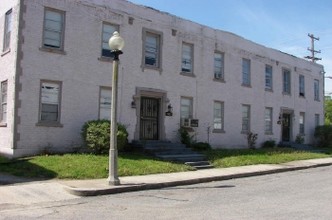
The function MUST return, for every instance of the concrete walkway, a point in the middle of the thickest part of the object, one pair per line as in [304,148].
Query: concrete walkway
[16,191]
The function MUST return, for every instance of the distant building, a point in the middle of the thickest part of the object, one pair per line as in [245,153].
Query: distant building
[56,74]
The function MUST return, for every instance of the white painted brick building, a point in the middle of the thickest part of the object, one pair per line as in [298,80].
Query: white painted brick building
[55,76]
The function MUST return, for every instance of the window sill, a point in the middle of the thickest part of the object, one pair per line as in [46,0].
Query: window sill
[246,85]
[286,93]
[151,68]
[268,90]
[269,133]
[219,80]
[317,100]
[3,124]
[53,50]
[105,59]
[218,131]
[302,96]
[49,124]
[188,74]
[5,52]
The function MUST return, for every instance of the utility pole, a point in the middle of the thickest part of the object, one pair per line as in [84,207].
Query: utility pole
[312,49]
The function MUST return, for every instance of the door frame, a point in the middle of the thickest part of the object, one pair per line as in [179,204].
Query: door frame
[151,93]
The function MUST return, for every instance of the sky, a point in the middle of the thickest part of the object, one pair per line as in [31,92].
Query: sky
[283,24]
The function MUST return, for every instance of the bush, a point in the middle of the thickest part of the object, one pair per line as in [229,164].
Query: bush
[324,135]
[251,139]
[299,139]
[269,144]
[96,135]
[201,146]
[185,137]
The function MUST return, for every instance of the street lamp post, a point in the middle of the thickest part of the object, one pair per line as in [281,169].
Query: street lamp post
[116,44]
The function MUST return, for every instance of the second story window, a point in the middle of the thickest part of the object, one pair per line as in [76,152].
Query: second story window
[286,81]
[187,58]
[268,77]
[152,49]
[7,31]
[108,30]
[301,86]
[54,21]
[316,90]
[245,72]
[219,66]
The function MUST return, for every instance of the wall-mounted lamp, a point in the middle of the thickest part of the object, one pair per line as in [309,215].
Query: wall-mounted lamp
[169,110]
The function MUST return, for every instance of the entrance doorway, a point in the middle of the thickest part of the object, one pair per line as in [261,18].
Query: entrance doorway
[149,118]
[286,127]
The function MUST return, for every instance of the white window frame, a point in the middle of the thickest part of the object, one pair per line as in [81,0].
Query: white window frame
[245,119]
[268,117]
[187,58]
[246,72]
[52,98]
[286,81]
[105,103]
[186,107]
[53,34]
[7,30]
[152,52]
[218,66]
[218,116]
[316,90]
[301,86]
[3,101]
[268,77]
[302,123]
[107,32]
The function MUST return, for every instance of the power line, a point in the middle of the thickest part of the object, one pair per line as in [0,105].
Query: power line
[312,49]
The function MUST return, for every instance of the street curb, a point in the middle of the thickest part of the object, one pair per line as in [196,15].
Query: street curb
[148,186]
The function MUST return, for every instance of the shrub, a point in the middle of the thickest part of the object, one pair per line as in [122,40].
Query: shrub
[201,146]
[185,137]
[324,135]
[269,144]
[299,139]
[96,135]
[251,138]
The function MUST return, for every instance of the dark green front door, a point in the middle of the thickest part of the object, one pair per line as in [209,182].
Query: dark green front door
[286,127]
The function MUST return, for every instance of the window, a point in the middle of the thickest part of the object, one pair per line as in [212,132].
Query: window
[268,120]
[245,72]
[152,49]
[50,102]
[187,58]
[301,122]
[3,101]
[268,77]
[219,66]
[105,103]
[317,120]
[186,107]
[316,89]
[218,116]
[245,118]
[108,30]
[301,86]
[286,81]
[7,31]
[53,29]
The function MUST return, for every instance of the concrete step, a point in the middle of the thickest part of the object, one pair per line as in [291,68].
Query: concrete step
[200,164]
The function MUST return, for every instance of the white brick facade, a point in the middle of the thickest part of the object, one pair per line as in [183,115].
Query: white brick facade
[81,73]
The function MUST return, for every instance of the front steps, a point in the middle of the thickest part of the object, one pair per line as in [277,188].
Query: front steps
[174,152]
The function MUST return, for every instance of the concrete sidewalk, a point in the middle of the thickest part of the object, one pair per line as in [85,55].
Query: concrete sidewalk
[135,183]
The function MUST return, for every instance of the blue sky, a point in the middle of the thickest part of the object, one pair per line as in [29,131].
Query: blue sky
[283,24]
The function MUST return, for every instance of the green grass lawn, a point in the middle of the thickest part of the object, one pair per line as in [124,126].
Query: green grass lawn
[88,166]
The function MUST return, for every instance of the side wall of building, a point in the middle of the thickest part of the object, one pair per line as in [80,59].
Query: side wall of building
[82,72]
[8,58]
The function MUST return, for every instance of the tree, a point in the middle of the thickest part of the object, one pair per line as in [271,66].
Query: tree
[328,110]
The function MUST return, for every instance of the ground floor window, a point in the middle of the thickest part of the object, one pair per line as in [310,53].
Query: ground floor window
[245,118]
[105,103]
[268,120]
[50,94]
[301,122]
[3,100]
[218,115]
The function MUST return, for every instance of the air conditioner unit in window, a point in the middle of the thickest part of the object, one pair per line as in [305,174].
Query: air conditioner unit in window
[185,122]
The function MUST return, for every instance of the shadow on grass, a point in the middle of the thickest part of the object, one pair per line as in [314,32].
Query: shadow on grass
[22,170]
